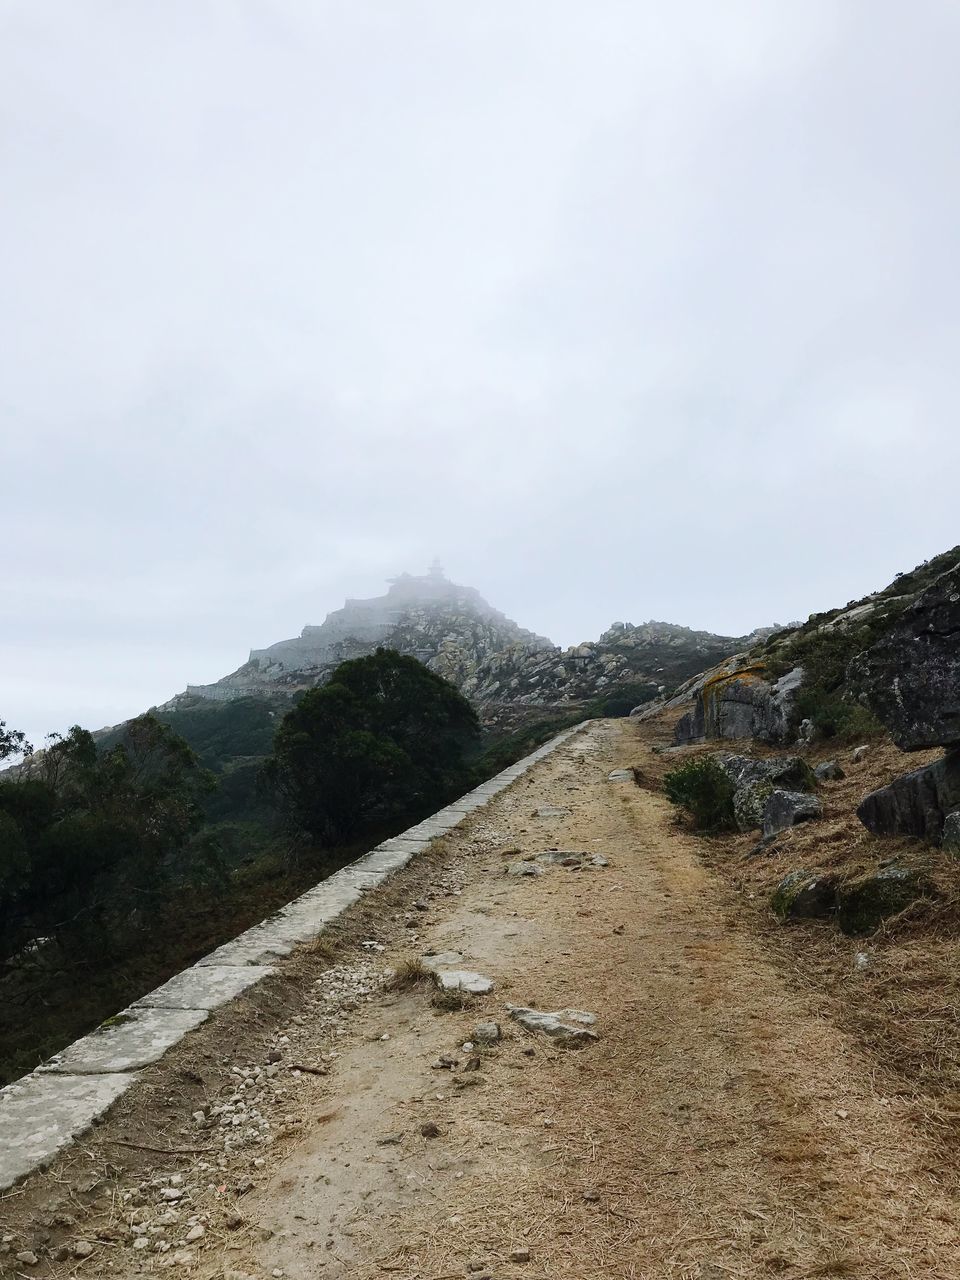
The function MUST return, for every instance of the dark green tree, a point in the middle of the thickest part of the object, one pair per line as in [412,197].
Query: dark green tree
[13,742]
[90,837]
[383,741]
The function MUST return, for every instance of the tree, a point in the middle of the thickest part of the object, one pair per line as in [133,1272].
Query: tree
[91,836]
[13,742]
[384,740]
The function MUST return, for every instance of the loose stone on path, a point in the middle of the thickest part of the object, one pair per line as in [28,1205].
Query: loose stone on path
[557,1025]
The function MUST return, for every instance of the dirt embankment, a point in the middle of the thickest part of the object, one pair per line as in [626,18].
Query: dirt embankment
[729,1121]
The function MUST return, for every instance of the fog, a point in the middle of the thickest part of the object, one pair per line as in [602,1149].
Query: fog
[623,310]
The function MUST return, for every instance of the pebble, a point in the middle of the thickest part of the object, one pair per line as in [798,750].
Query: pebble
[171,1193]
[195,1233]
[28,1258]
[429,1130]
[520,1255]
[141,1242]
[82,1249]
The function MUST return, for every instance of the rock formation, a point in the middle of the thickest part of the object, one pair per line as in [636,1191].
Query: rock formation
[911,679]
[740,703]
[499,665]
[916,804]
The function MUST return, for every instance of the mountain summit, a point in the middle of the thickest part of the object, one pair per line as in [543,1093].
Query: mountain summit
[448,627]
[490,658]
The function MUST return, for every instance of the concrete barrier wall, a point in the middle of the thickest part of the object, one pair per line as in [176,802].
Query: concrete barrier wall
[45,1111]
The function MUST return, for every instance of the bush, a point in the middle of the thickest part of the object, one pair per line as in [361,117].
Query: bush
[835,716]
[703,789]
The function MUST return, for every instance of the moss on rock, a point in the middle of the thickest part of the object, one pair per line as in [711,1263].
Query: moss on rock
[805,895]
[864,903]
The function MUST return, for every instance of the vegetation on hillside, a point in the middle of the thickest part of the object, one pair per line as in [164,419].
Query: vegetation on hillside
[826,644]
[90,840]
[125,858]
[705,791]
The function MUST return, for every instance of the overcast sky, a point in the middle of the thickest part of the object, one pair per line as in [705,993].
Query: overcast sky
[623,310]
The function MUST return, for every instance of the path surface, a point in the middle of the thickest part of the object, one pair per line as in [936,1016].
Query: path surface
[721,1126]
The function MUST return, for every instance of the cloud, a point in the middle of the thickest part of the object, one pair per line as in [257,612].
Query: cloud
[622,310]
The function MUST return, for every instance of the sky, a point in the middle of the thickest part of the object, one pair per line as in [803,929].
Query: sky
[623,310]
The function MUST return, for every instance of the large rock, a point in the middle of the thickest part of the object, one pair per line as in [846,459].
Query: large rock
[755,780]
[916,804]
[864,903]
[951,833]
[742,704]
[805,895]
[788,808]
[911,678]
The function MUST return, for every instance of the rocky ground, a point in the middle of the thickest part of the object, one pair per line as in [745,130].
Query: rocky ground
[720,1116]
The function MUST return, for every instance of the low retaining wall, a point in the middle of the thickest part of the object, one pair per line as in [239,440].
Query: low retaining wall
[45,1111]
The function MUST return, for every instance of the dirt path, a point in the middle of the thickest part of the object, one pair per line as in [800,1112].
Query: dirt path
[721,1126]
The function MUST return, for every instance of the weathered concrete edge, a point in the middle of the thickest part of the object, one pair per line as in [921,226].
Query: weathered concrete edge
[42,1113]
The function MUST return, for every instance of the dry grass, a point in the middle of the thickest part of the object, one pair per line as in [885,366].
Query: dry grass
[452,1001]
[902,1007]
[409,972]
[327,945]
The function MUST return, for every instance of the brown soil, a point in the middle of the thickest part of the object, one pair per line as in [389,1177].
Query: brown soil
[732,1120]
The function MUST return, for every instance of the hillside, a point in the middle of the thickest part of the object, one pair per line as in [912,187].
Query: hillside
[492,660]
[832,676]
[523,686]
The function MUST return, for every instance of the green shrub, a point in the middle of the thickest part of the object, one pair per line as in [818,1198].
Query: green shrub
[704,790]
[835,716]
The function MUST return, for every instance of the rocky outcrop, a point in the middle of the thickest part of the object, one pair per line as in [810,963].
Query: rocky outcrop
[786,809]
[864,903]
[916,804]
[738,702]
[755,781]
[494,662]
[450,628]
[911,677]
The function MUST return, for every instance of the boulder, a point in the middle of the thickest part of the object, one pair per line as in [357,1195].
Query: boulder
[951,833]
[749,803]
[829,771]
[864,903]
[755,780]
[742,704]
[805,895]
[786,808]
[911,678]
[916,804]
